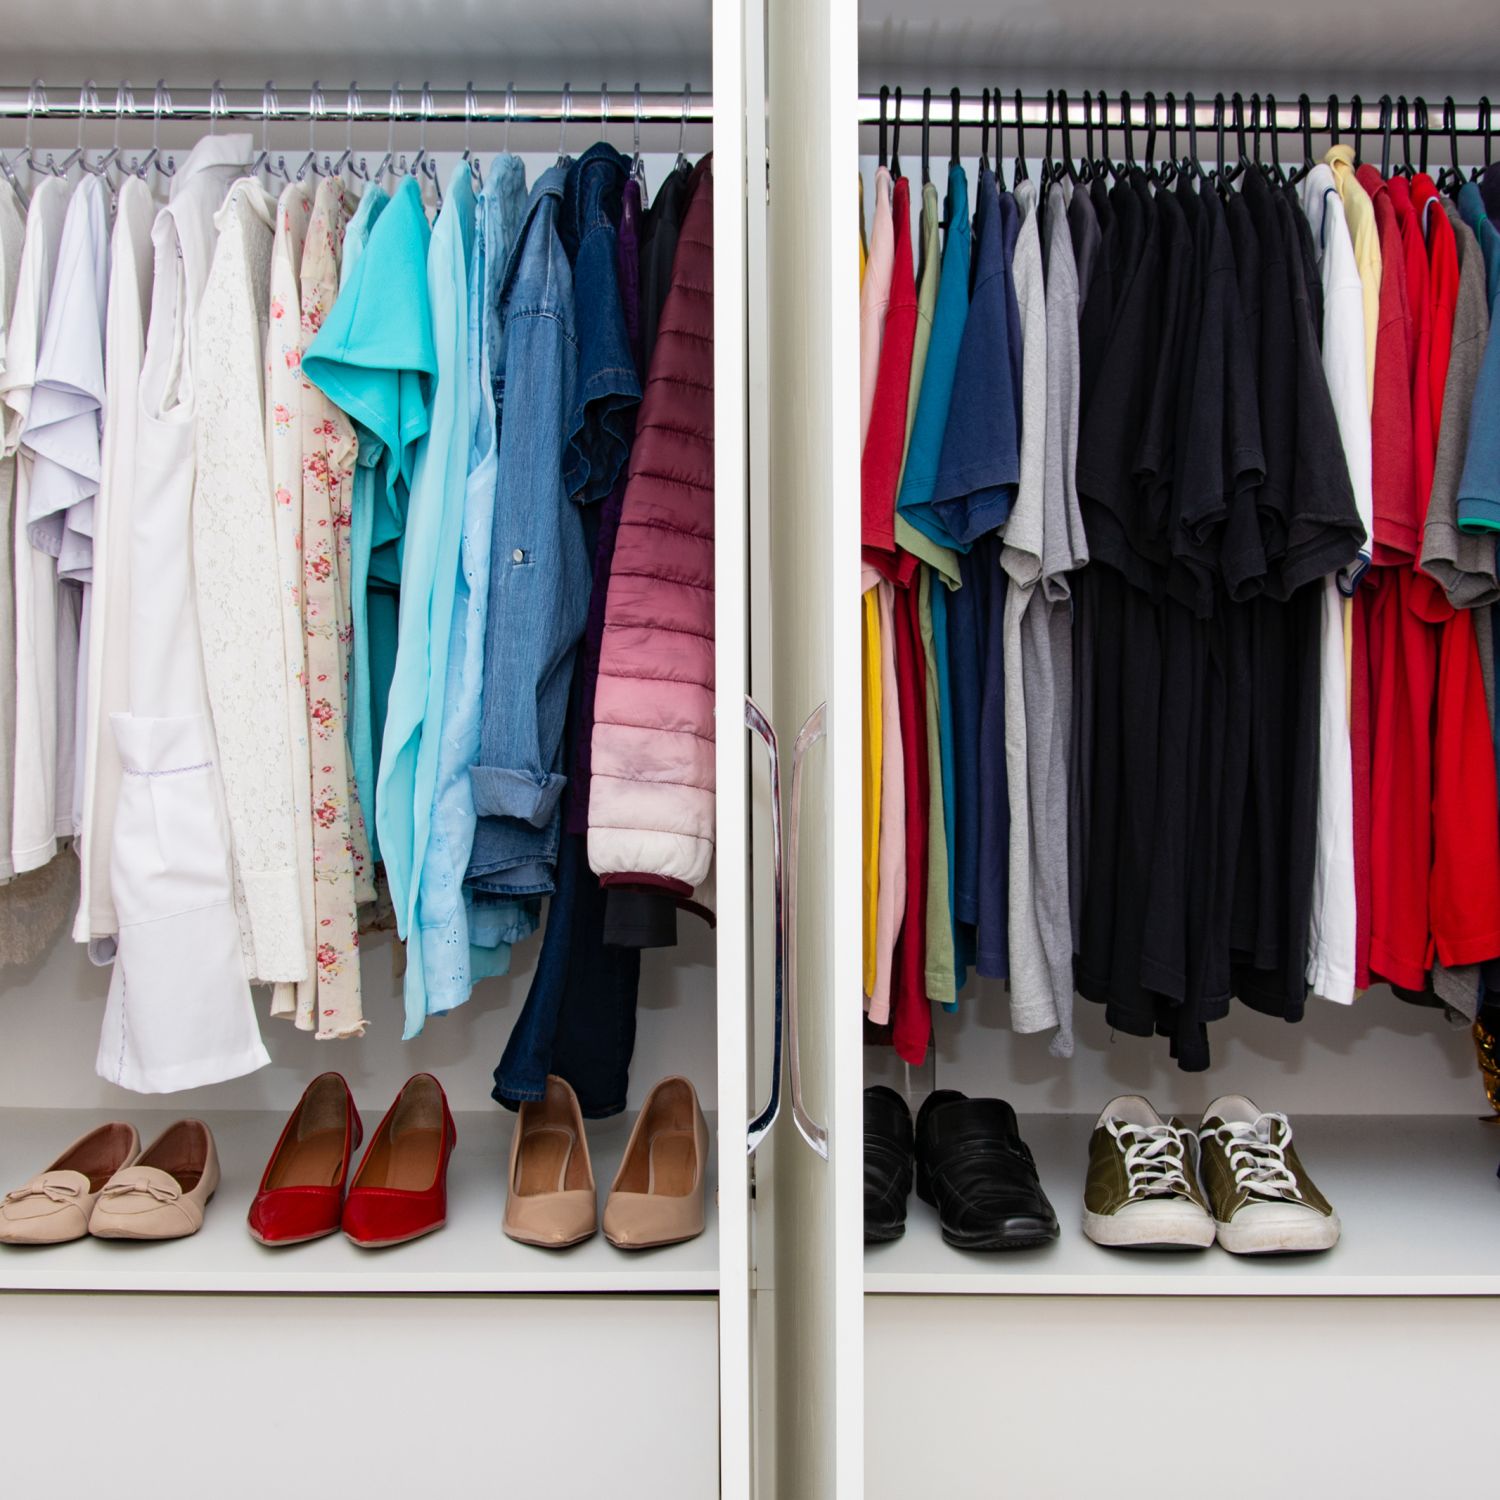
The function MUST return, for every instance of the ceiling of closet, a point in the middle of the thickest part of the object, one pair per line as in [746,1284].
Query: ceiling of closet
[1184,43]
[661,43]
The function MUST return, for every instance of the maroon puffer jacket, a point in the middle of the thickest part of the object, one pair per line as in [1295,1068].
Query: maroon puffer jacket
[651,802]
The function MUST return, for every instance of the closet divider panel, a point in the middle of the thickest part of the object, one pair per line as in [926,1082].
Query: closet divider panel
[815,1307]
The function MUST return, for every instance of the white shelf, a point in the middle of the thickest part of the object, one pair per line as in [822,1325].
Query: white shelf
[1417,1195]
[470,1254]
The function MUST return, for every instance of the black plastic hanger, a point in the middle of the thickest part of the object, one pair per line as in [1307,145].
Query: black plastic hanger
[1172,130]
[1333,119]
[896,137]
[1150,106]
[1086,171]
[1128,127]
[1106,163]
[1403,121]
[1278,172]
[1023,172]
[1243,164]
[1304,124]
[999,144]
[1450,179]
[1066,165]
[885,95]
[1193,163]
[1424,131]
[926,136]
[1050,171]
[1218,172]
[1357,124]
[1387,119]
[984,131]
[1484,127]
[954,99]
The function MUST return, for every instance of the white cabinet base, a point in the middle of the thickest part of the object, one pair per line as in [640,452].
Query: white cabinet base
[179,1397]
[1168,1398]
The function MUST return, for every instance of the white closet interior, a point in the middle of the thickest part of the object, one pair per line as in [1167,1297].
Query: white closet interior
[1030,1373]
[595,1371]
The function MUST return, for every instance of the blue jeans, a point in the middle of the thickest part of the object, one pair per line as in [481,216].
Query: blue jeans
[579,1017]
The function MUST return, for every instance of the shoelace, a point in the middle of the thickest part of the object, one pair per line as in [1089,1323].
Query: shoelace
[58,1192]
[1155,1158]
[1256,1156]
[157,1191]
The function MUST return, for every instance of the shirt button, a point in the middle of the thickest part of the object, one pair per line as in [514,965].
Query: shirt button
[518,556]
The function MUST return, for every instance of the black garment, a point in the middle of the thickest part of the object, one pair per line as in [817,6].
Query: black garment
[661,224]
[889,1163]
[977,1172]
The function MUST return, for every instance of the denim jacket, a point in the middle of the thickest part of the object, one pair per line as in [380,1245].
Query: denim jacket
[539,565]
[609,387]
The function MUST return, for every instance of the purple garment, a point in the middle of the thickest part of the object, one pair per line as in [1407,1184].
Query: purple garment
[576,796]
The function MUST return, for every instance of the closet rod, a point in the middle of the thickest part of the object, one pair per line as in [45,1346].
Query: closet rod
[1206,113]
[340,102]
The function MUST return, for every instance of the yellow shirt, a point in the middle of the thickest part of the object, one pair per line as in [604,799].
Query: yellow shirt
[1359,214]
[870,779]
[861,231]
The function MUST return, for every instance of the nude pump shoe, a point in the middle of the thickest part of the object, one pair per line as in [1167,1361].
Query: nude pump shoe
[552,1201]
[657,1196]
[55,1205]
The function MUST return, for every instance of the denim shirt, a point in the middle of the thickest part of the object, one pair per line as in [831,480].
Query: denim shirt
[608,388]
[539,565]
[465,939]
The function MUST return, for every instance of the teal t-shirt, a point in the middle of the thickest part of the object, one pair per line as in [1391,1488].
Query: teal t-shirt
[374,359]
[429,574]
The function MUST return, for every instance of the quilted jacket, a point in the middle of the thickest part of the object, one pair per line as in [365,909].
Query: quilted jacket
[651,804]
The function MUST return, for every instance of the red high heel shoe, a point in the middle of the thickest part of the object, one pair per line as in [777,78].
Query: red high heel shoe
[301,1196]
[401,1188]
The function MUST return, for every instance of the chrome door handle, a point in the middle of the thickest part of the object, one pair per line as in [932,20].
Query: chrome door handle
[761,1125]
[811,732]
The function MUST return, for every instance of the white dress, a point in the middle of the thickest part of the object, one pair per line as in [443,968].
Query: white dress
[33,835]
[179,1013]
[235,561]
[12,238]
[62,435]
[109,615]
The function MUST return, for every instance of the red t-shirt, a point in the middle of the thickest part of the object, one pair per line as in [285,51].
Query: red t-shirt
[880,466]
[911,1015]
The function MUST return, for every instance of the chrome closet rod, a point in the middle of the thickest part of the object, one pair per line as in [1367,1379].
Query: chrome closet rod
[1469,119]
[374,104]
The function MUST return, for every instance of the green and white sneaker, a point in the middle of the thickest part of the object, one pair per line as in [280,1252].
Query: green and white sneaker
[1142,1190]
[1264,1203]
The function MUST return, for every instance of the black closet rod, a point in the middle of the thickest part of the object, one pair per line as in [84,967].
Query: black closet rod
[1206,112]
[42,101]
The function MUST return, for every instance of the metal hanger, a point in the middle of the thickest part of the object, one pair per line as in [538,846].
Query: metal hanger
[353,109]
[687,109]
[566,112]
[270,107]
[637,166]
[315,108]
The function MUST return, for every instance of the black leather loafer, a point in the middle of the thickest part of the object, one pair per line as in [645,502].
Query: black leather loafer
[974,1168]
[888,1164]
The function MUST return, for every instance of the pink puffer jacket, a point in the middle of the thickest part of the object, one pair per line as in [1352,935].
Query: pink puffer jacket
[651,803]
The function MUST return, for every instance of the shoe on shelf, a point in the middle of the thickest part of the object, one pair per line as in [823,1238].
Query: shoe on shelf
[161,1195]
[974,1168]
[1142,1188]
[1263,1202]
[551,1200]
[301,1195]
[55,1205]
[890,1146]
[657,1195]
[400,1191]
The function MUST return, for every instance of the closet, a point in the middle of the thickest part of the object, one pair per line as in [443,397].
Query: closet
[1070,1369]
[464,1362]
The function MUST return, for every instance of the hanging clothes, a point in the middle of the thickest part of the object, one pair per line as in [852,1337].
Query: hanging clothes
[12,241]
[179,1013]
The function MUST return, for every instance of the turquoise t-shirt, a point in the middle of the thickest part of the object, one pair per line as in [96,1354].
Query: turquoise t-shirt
[924,452]
[429,572]
[1479,488]
[374,359]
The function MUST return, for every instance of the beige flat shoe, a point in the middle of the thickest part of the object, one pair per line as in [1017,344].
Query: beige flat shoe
[163,1194]
[55,1205]
[552,1200]
[657,1195]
